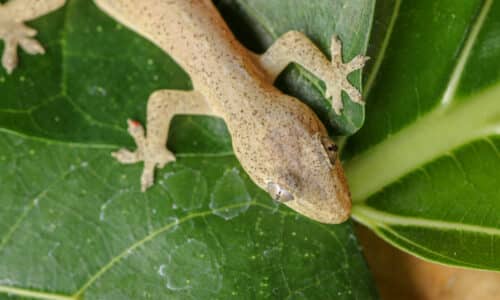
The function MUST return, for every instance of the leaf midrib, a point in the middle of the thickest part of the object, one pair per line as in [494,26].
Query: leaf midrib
[366,214]
[381,55]
[33,293]
[448,126]
[461,263]
[110,147]
[381,221]
[457,73]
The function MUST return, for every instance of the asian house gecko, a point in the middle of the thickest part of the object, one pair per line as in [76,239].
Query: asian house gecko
[278,140]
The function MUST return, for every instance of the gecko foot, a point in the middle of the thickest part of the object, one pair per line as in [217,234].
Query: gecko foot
[17,34]
[335,86]
[153,156]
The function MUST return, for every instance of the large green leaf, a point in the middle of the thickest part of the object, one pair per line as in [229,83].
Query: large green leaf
[73,221]
[424,171]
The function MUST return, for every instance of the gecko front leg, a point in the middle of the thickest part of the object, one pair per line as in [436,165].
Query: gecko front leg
[163,105]
[14,33]
[295,47]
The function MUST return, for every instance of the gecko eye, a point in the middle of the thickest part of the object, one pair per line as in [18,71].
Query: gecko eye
[330,148]
[278,193]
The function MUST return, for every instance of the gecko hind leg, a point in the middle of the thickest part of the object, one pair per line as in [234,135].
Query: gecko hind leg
[163,105]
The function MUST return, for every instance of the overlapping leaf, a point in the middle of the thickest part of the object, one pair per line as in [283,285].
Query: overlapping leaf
[424,171]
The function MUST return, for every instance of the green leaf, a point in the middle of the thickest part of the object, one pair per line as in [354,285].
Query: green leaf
[74,222]
[424,169]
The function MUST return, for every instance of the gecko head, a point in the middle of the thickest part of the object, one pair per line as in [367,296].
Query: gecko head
[313,184]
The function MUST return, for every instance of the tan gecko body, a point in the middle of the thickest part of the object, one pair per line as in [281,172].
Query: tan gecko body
[278,140]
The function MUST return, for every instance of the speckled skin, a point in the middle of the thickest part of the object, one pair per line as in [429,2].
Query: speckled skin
[278,140]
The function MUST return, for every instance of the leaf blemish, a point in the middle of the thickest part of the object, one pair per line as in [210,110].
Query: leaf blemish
[201,270]
[230,197]
[161,270]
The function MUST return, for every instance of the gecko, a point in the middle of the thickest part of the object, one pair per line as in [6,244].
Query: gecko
[278,140]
